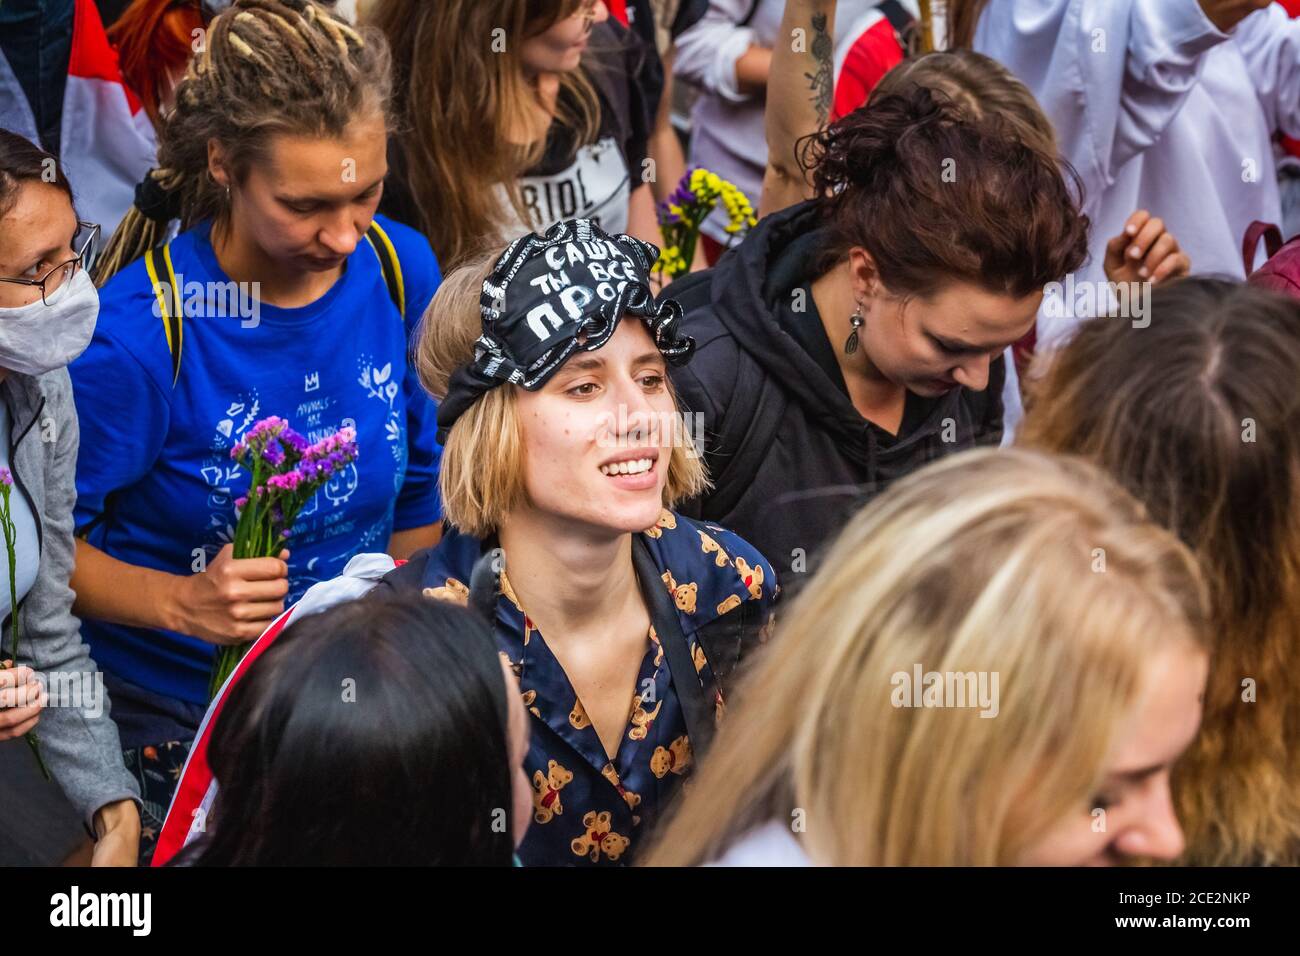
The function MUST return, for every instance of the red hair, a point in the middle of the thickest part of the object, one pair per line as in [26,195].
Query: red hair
[154,39]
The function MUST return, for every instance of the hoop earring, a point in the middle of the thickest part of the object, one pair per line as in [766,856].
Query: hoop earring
[856,320]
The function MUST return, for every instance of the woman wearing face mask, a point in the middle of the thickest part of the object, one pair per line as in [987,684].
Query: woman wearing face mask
[622,619]
[48,308]
[291,299]
[564,136]
[852,338]
[1004,697]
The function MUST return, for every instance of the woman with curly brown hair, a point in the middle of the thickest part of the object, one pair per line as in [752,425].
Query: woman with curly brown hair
[1197,415]
[853,337]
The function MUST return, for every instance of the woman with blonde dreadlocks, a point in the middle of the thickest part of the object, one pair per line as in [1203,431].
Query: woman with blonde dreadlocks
[283,295]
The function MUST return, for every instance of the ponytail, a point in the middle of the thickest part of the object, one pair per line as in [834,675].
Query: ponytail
[157,203]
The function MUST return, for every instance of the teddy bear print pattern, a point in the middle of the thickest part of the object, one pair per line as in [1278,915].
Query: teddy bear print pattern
[590,807]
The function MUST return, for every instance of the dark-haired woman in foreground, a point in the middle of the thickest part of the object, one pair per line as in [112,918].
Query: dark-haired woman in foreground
[852,338]
[382,731]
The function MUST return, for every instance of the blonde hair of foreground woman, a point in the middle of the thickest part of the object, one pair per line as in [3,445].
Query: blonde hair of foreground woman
[1039,569]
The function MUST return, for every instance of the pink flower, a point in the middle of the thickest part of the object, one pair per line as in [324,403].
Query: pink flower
[287,482]
[6,478]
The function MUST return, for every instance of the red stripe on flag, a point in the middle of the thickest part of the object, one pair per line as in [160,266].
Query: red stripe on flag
[197,776]
[93,57]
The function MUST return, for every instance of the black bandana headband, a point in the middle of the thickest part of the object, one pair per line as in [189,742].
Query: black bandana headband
[555,294]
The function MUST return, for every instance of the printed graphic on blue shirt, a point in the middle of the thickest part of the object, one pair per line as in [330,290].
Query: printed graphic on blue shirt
[155,467]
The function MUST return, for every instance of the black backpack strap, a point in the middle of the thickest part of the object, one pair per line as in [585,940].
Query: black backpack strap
[753,9]
[389,264]
[696,709]
[158,263]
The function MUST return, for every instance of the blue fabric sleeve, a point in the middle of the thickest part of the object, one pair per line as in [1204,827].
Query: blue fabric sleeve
[123,400]
[418,503]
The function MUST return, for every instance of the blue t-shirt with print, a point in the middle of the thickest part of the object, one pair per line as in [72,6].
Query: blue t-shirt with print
[154,474]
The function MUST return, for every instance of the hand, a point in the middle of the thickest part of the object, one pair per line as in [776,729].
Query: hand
[234,600]
[117,835]
[1226,14]
[22,697]
[1145,252]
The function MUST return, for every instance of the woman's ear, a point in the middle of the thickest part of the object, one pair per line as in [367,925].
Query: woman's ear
[862,271]
[217,167]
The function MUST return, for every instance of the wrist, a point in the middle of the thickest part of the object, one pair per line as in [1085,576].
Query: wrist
[121,816]
[173,604]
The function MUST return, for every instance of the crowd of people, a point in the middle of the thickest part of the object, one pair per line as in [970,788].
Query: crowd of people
[948,514]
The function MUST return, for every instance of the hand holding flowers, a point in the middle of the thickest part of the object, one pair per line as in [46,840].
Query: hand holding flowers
[286,472]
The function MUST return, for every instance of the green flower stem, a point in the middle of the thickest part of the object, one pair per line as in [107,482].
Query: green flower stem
[11,545]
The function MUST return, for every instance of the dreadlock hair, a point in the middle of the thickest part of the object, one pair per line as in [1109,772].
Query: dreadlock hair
[267,67]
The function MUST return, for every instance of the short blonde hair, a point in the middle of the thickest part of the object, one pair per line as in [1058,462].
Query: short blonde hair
[984,562]
[482,474]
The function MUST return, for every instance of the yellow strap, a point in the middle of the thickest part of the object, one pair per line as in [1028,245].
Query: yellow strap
[161,293]
[180,310]
[392,257]
[161,290]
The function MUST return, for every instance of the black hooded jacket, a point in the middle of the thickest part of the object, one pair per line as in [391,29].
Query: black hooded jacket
[790,456]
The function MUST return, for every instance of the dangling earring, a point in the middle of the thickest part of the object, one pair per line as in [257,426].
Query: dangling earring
[856,320]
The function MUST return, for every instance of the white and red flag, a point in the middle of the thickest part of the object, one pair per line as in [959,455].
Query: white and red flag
[107,143]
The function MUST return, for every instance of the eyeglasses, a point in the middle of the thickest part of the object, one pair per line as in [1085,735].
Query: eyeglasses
[52,284]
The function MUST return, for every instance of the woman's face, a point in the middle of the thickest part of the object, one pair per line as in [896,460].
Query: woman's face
[559,48]
[313,198]
[35,236]
[933,344]
[1131,816]
[521,792]
[598,436]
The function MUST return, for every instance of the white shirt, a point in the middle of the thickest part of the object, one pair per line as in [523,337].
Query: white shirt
[772,844]
[1158,110]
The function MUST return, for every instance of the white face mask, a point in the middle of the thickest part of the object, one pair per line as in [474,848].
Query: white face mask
[38,338]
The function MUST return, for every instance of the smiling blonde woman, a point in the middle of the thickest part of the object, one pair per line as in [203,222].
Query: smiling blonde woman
[1038,571]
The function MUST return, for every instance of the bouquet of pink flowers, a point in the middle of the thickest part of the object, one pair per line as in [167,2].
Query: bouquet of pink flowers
[11,545]
[286,472]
